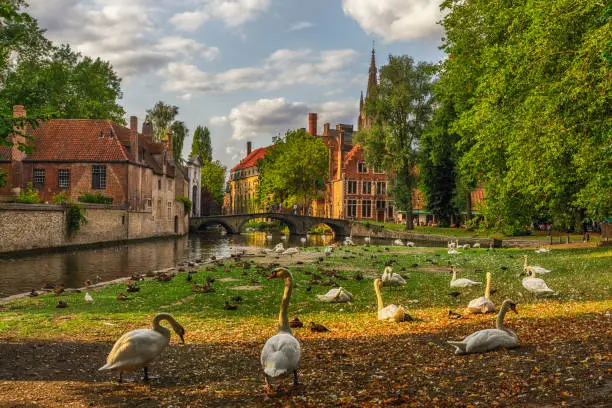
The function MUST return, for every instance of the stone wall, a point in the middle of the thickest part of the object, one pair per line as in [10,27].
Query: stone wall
[35,226]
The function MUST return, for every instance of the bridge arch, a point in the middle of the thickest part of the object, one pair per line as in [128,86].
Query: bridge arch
[228,227]
[293,228]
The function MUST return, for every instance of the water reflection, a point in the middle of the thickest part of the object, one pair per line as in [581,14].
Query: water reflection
[22,274]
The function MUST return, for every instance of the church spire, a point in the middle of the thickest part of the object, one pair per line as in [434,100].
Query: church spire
[361,102]
[372,77]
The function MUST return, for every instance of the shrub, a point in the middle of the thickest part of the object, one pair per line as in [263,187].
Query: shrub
[28,195]
[75,217]
[95,198]
[60,198]
[186,203]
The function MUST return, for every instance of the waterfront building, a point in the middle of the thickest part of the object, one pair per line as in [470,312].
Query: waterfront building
[194,177]
[243,182]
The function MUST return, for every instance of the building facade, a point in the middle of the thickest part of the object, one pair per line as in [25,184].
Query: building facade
[243,182]
[194,177]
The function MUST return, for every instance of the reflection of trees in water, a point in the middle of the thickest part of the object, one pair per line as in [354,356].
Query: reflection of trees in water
[71,276]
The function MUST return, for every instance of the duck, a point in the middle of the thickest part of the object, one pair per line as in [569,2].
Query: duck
[291,251]
[236,299]
[454,315]
[462,282]
[281,353]
[483,304]
[390,313]
[122,296]
[398,242]
[536,285]
[390,278]
[316,327]
[138,348]
[33,293]
[489,339]
[229,306]
[88,298]
[58,290]
[61,305]
[296,323]
[336,295]
[133,287]
[534,268]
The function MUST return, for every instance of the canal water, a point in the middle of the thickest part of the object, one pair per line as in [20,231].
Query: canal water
[21,274]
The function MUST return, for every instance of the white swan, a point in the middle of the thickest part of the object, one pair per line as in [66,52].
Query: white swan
[534,268]
[410,244]
[398,242]
[279,249]
[367,240]
[476,245]
[269,237]
[348,241]
[535,285]
[329,250]
[462,282]
[88,298]
[283,237]
[489,339]
[453,251]
[267,251]
[390,278]
[336,295]
[281,354]
[303,240]
[483,304]
[291,251]
[391,313]
[451,244]
[137,348]
[542,250]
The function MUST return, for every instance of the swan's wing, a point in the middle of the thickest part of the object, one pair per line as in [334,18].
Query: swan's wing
[539,269]
[280,355]
[489,339]
[136,349]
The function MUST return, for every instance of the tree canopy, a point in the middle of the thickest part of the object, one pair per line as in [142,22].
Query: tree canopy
[294,170]
[201,145]
[213,179]
[161,117]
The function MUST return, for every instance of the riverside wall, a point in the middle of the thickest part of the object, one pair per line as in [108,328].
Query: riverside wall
[25,227]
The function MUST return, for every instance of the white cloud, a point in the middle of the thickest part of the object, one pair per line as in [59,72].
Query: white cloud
[281,69]
[396,20]
[300,25]
[269,117]
[186,47]
[232,12]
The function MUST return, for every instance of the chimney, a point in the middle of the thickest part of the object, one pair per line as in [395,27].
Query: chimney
[340,161]
[312,123]
[249,147]
[134,137]
[18,112]
[147,131]
[326,129]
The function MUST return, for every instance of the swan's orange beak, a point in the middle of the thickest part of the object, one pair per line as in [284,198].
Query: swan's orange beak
[513,308]
[273,275]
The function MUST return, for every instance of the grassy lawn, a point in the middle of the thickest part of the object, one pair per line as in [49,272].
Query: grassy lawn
[357,354]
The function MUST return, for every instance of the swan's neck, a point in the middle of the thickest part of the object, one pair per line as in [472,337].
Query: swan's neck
[378,296]
[454,278]
[525,264]
[283,317]
[488,287]
[161,329]
[499,324]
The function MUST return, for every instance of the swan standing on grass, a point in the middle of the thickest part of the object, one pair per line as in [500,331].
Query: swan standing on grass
[336,295]
[410,244]
[536,285]
[291,251]
[367,240]
[476,245]
[329,250]
[398,242]
[453,251]
[281,354]
[138,348]
[489,339]
[391,313]
[303,241]
[462,282]
[483,304]
[534,268]
[542,250]
[88,298]
[390,278]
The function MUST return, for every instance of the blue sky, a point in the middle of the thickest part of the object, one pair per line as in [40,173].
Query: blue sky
[247,69]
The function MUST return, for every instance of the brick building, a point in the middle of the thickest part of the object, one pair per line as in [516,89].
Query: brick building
[76,156]
[242,184]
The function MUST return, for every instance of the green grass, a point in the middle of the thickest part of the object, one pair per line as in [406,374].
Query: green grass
[578,275]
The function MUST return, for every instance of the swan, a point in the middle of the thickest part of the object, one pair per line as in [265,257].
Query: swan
[462,282]
[281,353]
[392,279]
[390,313]
[137,348]
[535,285]
[476,245]
[303,240]
[329,250]
[88,298]
[483,304]
[283,237]
[367,240]
[398,242]
[267,251]
[542,250]
[489,339]
[453,251]
[269,237]
[451,244]
[410,244]
[336,295]
[279,249]
[534,268]
[291,251]
[348,241]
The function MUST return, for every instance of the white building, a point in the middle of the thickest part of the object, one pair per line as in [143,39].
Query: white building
[194,174]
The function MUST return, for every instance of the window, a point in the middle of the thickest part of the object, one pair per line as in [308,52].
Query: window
[366,209]
[148,203]
[367,187]
[39,178]
[351,208]
[169,209]
[158,210]
[381,187]
[352,187]
[380,205]
[159,183]
[390,209]
[63,178]
[98,177]
[361,167]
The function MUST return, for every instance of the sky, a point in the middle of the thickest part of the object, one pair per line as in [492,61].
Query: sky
[247,69]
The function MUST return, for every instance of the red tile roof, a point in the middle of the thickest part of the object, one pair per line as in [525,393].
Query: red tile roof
[355,153]
[252,159]
[78,140]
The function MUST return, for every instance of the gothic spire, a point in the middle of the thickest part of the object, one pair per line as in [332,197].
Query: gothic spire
[372,77]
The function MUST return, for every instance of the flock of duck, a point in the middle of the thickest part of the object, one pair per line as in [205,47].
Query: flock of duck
[281,353]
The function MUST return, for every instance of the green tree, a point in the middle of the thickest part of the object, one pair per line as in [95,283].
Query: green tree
[161,117]
[402,108]
[201,145]
[213,179]
[294,170]
[179,133]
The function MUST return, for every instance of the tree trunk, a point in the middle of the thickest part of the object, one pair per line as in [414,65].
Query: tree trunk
[409,223]
[468,207]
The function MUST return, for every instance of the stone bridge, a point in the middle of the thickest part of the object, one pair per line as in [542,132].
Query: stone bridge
[298,224]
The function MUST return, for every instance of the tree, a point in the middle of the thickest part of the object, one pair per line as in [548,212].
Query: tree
[161,118]
[402,108]
[213,180]
[201,145]
[179,133]
[294,170]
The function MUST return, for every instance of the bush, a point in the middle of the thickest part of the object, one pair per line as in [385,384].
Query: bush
[28,195]
[186,204]
[60,198]
[75,217]
[95,198]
